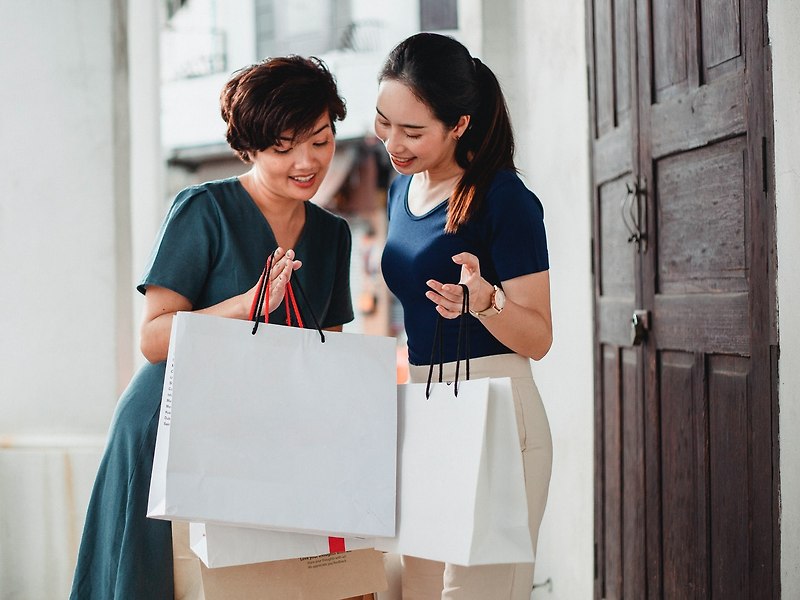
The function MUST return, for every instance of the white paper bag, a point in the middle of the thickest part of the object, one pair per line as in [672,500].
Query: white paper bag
[277,430]
[226,546]
[461,489]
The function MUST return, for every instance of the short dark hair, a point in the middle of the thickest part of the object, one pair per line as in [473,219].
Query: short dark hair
[290,93]
[442,73]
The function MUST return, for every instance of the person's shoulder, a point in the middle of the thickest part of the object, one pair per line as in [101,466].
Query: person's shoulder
[203,195]
[506,180]
[509,191]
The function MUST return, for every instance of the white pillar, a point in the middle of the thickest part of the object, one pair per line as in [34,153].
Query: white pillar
[65,264]
[148,199]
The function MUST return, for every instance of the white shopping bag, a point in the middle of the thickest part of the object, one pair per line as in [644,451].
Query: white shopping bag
[461,489]
[277,430]
[226,546]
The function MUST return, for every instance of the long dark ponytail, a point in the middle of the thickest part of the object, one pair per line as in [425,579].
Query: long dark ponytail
[442,74]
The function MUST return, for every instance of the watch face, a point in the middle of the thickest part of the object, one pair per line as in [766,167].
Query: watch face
[499,299]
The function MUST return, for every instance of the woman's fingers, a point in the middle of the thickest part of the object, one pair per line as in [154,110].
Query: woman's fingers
[283,265]
[469,263]
[448,298]
[448,291]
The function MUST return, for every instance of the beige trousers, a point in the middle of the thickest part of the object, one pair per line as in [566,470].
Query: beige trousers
[429,580]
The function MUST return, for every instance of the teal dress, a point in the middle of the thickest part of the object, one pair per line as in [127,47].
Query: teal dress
[212,246]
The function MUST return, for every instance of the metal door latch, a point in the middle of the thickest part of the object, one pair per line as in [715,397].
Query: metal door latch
[640,324]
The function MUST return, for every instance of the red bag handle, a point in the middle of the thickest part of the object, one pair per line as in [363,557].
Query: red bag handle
[289,298]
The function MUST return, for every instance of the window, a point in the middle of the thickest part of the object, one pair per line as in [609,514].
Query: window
[265,28]
[438,14]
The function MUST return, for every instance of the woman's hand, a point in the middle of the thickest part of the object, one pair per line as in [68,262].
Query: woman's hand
[161,304]
[525,323]
[449,297]
[283,265]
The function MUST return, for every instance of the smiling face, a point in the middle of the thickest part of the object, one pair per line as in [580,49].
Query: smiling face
[414,138]
[293,169]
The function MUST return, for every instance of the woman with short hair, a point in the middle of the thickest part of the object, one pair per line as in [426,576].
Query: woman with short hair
[281,118]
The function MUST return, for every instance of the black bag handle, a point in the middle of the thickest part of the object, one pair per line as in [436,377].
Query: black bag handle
[463,331]
[263,290]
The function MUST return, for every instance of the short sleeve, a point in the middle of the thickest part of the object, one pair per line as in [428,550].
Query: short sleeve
[515,229]
[186,245]
[340,309]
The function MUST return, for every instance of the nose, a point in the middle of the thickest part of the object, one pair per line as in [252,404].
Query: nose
[392,145]
[304,156]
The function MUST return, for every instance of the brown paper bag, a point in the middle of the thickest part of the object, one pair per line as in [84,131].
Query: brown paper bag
[185,565]
[327,577]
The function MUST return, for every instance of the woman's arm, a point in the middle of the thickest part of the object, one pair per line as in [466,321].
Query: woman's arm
[525,323]
[161,304]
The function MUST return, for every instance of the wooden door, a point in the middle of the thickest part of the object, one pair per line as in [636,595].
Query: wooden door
[685,492]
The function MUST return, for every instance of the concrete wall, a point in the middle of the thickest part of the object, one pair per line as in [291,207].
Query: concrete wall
[537,48]
[784,23]
[65,310]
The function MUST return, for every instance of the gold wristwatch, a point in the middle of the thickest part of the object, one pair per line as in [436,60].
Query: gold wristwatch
[495,307]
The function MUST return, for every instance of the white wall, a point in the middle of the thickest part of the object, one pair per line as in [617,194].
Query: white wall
[65,310]
[784,23]
[541,62]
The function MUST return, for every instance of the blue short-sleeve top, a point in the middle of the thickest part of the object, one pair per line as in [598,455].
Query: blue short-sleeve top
[507,234]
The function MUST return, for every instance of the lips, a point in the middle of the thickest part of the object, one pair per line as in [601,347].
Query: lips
[400,161]
[303,180]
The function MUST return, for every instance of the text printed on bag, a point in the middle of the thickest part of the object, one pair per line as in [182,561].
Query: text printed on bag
[167,416]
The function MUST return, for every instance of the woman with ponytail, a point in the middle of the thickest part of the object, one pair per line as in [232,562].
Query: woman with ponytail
[459,214]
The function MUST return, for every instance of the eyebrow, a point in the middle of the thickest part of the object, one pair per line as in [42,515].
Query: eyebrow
[406,125]
[313,133]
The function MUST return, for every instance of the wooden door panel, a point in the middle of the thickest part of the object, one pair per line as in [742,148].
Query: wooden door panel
[610,543]
[670,69]
[728,478]
[705,114]
[684,465]
[701,292]
[721,35]
[633,515]
[701,220]
[612,80]
[704,475]
[708,323]
[621,551]
[611,154]
[617,256]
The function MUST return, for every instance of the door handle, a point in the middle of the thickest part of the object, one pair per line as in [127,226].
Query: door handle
[640,325]
[633,215]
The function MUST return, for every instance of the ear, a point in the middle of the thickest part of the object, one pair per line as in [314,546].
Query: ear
[461,126]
